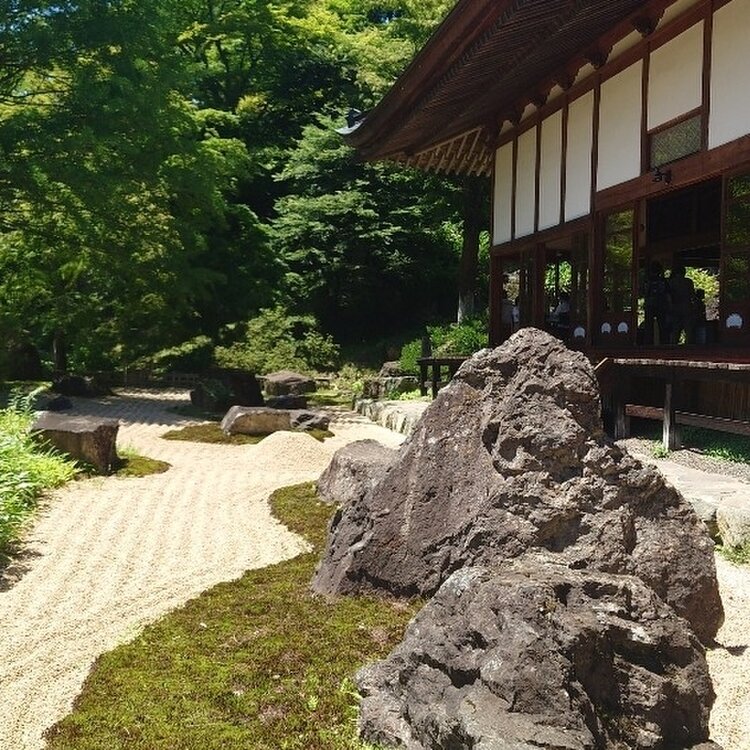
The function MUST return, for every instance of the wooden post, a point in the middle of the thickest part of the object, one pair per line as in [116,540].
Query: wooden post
[423,378]
[671,433]
[435,379]
[622,420]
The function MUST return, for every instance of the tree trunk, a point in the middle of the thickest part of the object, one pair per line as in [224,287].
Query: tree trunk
[59,352]
[473,214]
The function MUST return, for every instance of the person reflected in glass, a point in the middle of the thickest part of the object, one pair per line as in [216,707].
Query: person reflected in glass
[657,305]
[682,293]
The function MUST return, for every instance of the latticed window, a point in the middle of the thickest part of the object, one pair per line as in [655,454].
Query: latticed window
[675,142]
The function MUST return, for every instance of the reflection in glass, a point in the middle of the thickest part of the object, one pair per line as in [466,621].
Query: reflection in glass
[737,231]
[737,278]
[738,186]
[618,262]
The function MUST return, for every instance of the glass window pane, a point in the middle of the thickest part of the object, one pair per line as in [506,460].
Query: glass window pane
[737,278]
[737,231]
[674,143]
[738,186]
[618,262]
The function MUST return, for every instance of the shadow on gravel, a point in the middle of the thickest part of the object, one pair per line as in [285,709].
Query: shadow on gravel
[15,562]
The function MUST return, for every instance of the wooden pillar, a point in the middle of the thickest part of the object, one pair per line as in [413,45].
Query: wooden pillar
[435,379]
[423,378]
[620,396]
[671,432]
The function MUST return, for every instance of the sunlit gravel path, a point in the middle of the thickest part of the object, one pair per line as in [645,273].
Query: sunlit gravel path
[107,556]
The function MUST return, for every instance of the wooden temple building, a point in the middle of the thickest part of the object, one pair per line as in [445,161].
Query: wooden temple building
[616,135]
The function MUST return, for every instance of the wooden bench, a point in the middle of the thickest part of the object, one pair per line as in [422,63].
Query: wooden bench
[431,368]
[672,373]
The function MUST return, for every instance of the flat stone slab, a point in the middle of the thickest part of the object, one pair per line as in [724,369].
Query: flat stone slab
[722,502]
[399,416]
[91,440]
[255,420]
[285,382]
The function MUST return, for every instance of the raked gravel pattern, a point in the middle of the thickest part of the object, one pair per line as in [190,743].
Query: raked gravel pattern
[109,555]
[729,660]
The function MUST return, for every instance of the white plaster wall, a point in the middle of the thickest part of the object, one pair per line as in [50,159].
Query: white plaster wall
[503,195]
[730,66]
[625,44]
[550,171]
[578,158]
[675,82]
[620,128]
[526,183]
[675,11]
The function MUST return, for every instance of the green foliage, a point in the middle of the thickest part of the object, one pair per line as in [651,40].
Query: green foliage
[139,144]
[255,663]
[717,444]
[464,339]
[195,355]
[210,432]
[410,353]
[26,469]
[367,246]
[277,340]
[738,555]
[447,340]
[415,395]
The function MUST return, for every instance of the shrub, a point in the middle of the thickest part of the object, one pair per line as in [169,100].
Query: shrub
[410,353]
[26,470]
[458,340]
[194,355]
[448,340]
[276,340]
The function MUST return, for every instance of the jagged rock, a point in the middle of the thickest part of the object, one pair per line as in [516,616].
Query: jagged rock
[354,469]
[91,440]
[382,387]
[255,420]
[241,384]
[309,420]
[286,382]
[82,387]
[224,388]
[511,457]
[287,401]
[535,655]
[390,370]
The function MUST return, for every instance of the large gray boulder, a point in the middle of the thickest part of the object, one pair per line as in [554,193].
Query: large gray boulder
[511,457]
[304,419]
[353,471]
[286,382]
[91,440]
[255,420]
[536,655]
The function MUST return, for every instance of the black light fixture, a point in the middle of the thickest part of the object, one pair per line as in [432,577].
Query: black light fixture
[663,175]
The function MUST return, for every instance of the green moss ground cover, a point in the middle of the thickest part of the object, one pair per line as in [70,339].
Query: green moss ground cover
[211,432]
[255,664]
[132,464]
